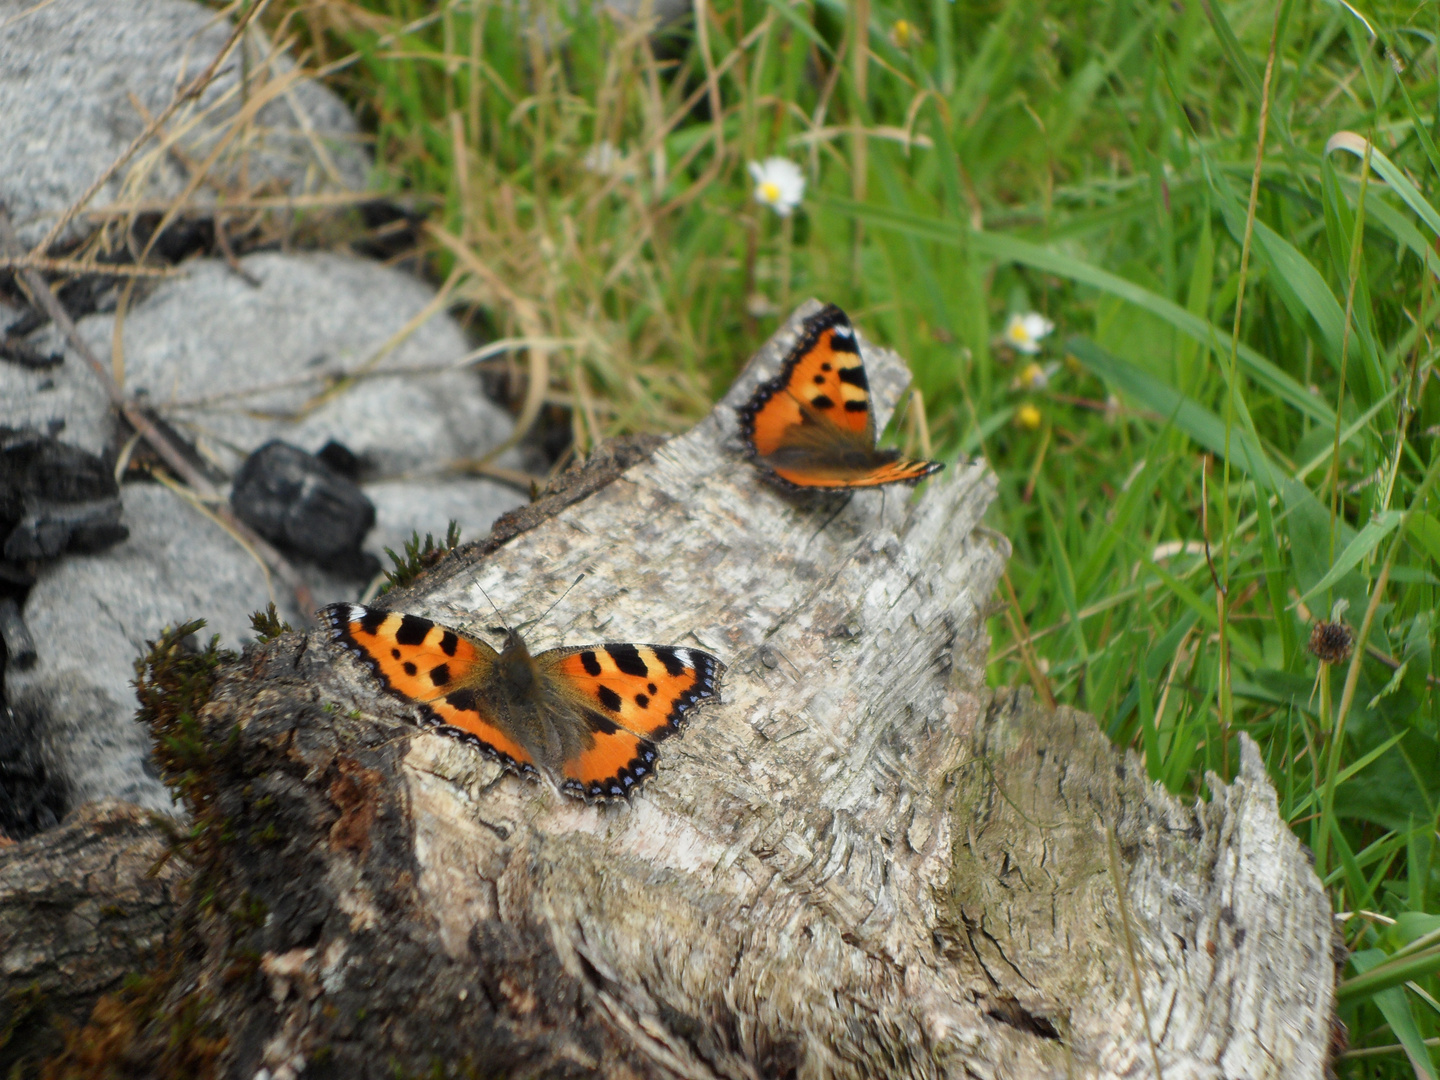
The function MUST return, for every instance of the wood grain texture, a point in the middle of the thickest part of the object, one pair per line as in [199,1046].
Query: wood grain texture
[82,905]
[861,863]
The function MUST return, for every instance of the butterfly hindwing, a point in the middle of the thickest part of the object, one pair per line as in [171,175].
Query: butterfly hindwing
[813,425]
[464,715]
[614,766]
[433,667]
[886,471]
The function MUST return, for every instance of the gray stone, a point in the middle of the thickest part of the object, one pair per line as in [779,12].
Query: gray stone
[406,507]
[90,617]
[234,366]
[72,73]
[64,401]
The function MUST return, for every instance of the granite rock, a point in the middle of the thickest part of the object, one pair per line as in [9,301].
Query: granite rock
[75,74]
[91,616]
[406,507]
[232,365]
[65,401]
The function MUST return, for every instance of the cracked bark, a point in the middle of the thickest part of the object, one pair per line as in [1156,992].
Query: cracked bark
[81,906]
[861,863]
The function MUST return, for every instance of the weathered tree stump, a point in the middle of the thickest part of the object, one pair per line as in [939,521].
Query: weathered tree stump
[861,863]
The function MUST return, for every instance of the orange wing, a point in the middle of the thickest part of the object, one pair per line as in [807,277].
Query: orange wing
[881,468]
[431,666]
[632,696]
[614,767]
[825,372]
[812,427]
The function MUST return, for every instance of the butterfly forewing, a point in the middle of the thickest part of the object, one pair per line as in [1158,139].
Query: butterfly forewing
[646,689]
[432,666]
[812,426]
[824,372]
[414,657]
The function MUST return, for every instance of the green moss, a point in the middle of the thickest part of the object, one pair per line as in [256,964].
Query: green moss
[144,1029]
[419,557]
[250,910]
[267,624]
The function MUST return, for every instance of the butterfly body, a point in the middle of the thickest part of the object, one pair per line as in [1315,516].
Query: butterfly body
[588,717]
[811,427]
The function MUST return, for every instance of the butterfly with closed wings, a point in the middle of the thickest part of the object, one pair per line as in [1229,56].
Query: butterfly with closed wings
[811,428]
[588,717]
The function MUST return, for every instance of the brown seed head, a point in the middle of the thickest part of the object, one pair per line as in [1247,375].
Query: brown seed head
[1331,641]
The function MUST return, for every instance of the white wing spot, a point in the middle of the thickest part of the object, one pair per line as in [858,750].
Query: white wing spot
[844,331]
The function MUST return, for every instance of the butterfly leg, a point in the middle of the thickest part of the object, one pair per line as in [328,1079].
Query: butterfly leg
[844,504]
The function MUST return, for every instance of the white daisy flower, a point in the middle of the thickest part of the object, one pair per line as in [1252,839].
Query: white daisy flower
[779,184]
[1023,332]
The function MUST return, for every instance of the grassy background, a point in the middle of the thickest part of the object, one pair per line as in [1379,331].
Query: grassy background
[968,160]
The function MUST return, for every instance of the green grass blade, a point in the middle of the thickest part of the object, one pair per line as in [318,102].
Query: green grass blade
[1385,973]
[1011,249]
[1366,541]
[1185,413]
[791,15]
[1231,47]
[1426,532]
[1350,770]
[1386,169]
[1384,987]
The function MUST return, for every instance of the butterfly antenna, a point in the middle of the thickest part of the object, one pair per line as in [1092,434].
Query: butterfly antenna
[535,622]
[492,603]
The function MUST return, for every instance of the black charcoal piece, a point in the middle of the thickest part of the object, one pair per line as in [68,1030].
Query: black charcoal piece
[30,800]
[37,465]
[297,501]
[19,645]
[19,351]
[342,459]
[54,498]
[48,529]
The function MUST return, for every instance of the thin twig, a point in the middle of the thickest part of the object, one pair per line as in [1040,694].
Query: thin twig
[1022,634]
[245,203]
[193,89]
[168,452]
[80,266]
[1118,874]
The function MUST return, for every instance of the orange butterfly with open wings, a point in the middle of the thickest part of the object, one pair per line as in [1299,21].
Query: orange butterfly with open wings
[811,427]
[586,716]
